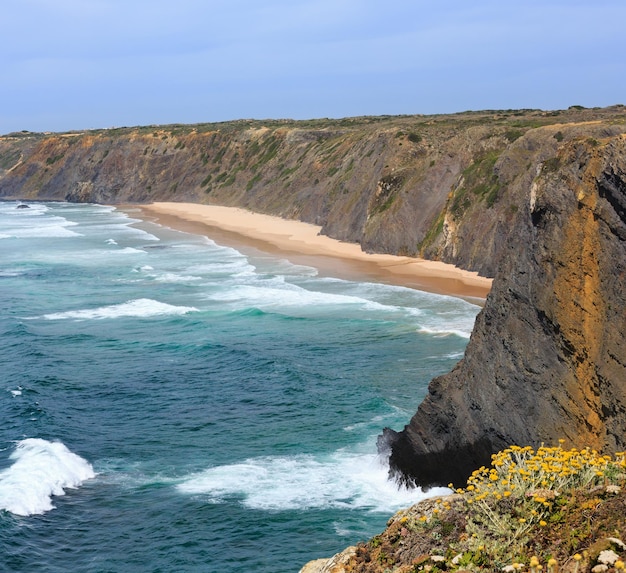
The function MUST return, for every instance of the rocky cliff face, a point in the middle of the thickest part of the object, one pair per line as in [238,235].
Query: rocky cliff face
[444,187]
[547,357]
[536,199]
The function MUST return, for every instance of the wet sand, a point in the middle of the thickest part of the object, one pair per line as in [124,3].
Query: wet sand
[301,243]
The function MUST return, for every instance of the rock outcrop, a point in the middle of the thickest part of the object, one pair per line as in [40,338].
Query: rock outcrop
[547,357]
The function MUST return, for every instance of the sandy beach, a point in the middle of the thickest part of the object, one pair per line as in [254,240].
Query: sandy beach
[302,243]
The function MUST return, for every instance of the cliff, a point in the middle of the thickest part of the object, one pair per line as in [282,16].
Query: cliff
[535,199]
[547,357]
[444,187]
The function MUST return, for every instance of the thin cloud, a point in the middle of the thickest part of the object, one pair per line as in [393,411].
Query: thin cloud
[72,64]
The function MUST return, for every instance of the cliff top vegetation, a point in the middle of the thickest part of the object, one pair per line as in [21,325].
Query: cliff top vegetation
[516,118]
[546,510]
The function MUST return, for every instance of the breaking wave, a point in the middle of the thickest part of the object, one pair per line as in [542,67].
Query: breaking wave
[40,470]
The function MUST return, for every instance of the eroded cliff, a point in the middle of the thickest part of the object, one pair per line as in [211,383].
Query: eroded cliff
[444,187]
[547,357]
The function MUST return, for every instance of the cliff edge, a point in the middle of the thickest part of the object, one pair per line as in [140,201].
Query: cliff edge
[547,357]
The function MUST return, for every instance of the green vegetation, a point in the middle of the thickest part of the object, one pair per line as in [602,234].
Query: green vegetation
[512,134]
[10,158]
[480,179]
[388,188]
[287,171]
[551,165]
[253,181]
[269,148]
[54,158]
[435,230]
[549,509]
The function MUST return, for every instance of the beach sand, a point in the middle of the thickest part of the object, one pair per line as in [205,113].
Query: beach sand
[301,243]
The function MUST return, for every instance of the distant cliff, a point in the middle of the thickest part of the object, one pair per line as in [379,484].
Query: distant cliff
[445,187]
[535,199]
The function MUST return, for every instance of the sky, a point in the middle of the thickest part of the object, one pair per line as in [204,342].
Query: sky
[83,64]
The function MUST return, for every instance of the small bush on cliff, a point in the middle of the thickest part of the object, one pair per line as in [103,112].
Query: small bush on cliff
[525,491]
[551,509]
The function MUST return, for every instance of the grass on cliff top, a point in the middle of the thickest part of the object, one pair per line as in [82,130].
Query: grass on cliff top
[520,118]
[546,510]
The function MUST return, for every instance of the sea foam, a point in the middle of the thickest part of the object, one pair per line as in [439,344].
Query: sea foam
[279,483]
[29,223]
[278,296]
[142,308]
[40,470]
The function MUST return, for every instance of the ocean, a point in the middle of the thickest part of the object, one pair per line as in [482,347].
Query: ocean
[171,404]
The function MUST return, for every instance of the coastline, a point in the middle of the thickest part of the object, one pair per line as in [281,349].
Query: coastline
[302,243]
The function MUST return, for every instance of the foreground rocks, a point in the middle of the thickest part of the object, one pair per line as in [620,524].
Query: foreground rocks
[552,508]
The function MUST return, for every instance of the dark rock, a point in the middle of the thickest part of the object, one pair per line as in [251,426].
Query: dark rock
[547,357]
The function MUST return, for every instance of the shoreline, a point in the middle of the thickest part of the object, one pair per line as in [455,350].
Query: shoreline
[302,243]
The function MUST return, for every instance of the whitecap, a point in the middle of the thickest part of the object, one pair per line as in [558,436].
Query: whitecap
[455,355]
[40,470]
[29,223]
[175,278]
[130,251]
[276,295]
[300,482]
[442,331]
[142,307]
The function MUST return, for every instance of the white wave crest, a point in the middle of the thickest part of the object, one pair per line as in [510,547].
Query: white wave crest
[175,278]
[445,330]
[40,470]
[346,480]
[29,223]
[142,307]
[284,297]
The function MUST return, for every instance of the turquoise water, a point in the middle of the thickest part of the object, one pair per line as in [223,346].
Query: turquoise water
[171,404]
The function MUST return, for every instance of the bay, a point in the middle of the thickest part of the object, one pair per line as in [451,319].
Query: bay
[173,404]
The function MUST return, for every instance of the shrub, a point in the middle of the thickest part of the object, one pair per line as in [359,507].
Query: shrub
[525,490]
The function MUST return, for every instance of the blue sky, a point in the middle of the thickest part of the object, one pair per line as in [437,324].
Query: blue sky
[77,64]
